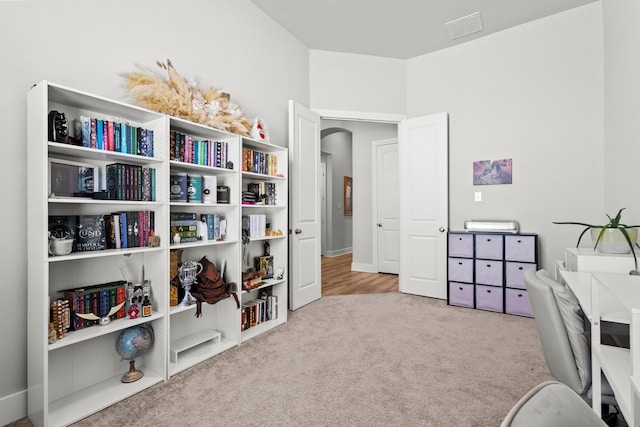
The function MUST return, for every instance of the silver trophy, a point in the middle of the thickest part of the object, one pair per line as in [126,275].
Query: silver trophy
[187,273]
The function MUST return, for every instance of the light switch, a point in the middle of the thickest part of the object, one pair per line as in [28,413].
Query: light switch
[478,196]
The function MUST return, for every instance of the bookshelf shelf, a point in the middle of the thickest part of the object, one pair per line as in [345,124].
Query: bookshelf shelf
[117,325]
[103,254]
[99,396]
[80,373]
[95,154]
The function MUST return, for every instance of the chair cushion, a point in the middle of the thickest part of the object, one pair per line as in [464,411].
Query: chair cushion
[551,404]
[573,319]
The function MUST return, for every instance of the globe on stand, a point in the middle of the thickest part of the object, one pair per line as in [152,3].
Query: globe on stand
[131,343]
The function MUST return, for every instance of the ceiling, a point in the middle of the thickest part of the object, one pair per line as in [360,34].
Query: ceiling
[400,29]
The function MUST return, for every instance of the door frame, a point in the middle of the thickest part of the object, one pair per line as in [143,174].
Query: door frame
[359,116]
[374,193]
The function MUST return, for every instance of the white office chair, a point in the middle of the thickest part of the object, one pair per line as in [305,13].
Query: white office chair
[551,404]
[565,345]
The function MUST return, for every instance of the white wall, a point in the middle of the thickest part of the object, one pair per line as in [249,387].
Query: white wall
[622,108]
[86,45]
[534,94]
[362,83]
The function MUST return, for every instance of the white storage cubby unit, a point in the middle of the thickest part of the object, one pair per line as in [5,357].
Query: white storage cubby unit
[80,373]
[486,271]
[256,158]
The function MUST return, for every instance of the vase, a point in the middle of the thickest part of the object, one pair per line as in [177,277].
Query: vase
[613,241]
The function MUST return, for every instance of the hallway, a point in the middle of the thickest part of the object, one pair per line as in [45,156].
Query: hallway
[338,279]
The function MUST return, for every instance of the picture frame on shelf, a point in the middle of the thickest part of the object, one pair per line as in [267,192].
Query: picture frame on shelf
[348,196]
[72,179]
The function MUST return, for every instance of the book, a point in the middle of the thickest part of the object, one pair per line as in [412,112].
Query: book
[194,188]
[110,231]
[209,189]
[90,233]
[178,187]
[86,131]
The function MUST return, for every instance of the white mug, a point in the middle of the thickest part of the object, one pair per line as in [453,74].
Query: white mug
[59,246]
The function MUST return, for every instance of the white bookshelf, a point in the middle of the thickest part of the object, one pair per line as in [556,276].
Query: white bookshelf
[277,216]
[80,374]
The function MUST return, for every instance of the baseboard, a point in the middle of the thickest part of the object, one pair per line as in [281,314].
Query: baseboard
[339,252]
[13,407]
[366,268]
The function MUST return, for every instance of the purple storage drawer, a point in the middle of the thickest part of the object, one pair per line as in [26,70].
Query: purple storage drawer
[520,248]
[461,294]
[489,298]
[489,246]
[460,270]
[461,245]
[517,302]
[489,272]
[514,273]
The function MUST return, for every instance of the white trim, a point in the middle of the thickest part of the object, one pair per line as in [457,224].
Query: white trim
[359,116]
[365,268]
[339,252]
[13,407]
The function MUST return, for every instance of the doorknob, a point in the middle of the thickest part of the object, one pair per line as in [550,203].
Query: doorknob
[298,231]
[379,224]
[441,229]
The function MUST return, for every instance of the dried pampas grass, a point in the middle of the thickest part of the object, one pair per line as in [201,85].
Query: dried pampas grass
[176,96]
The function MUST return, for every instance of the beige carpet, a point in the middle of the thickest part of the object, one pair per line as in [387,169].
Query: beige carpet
[361,360]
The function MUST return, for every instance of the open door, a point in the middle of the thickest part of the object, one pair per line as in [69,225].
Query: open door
[305,282]
[424,205]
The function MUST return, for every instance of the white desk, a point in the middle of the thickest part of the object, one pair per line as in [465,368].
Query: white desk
[612,297]
[620,294]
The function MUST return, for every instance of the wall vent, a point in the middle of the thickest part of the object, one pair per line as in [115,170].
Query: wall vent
[464,26]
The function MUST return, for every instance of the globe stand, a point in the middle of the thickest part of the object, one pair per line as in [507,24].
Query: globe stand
[133,374]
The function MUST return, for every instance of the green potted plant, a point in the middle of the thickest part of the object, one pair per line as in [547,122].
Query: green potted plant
[619,238]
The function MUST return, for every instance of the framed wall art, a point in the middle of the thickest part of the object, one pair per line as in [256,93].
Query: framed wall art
[348,196]
[492,172]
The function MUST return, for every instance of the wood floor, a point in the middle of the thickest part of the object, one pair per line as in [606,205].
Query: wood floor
[338,279]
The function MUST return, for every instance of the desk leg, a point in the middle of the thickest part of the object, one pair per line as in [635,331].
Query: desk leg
[596,384]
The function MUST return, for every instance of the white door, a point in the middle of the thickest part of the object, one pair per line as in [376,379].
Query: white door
[305,284]
[424,214]
[387,221]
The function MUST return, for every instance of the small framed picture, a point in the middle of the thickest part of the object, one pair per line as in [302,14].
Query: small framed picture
[348,196]
[72,179]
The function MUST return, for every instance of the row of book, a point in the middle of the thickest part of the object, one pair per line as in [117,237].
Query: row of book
[260,193]
[190,228]
[96,299]
[188,149]
[129,229]
[131,182]
[115,136]
[118,230]
[259,162]
[254,225]
[260,310]
[193,188]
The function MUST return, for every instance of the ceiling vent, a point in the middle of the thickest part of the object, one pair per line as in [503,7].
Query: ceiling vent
[464,26]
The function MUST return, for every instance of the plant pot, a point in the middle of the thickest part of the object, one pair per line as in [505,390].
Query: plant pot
[613,241]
